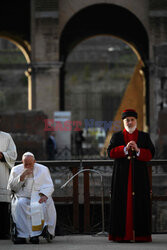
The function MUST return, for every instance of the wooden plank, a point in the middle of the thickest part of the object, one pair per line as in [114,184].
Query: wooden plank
[86,202]
[159,198]
[63,199]
[75,202]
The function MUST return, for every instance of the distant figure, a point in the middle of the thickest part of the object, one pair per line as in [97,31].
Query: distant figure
[51,147]
[8,156]
[78,142]
[33,209]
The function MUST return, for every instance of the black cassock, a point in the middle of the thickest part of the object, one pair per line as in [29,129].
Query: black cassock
[119,187]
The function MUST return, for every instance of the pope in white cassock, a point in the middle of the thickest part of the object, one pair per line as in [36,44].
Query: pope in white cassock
[33,209]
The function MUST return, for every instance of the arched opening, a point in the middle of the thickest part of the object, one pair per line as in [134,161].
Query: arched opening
[15,28]
[108,20]
[15,80]
[104,19]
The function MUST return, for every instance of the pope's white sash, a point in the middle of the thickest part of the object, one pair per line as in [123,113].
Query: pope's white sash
[37,215]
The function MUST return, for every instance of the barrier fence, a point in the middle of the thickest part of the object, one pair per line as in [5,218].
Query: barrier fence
[83,203]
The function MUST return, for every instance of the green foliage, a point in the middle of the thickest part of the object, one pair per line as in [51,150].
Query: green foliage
[87,72]
[74,79]
[12,58]
[102,74]
[16,100]
[120,75]
[128,58]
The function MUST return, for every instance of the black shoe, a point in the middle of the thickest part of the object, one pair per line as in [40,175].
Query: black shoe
[46,234]
[34,240]
[19,240]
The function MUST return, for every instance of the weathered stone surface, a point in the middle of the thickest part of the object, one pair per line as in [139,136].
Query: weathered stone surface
[27,130]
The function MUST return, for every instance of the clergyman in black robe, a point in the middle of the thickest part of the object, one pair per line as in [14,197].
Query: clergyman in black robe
[130,215]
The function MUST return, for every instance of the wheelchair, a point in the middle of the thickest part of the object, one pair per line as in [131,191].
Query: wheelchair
[13,232]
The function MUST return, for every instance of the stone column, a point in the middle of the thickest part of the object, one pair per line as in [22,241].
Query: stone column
[158,100]
[45,56]
[47,87]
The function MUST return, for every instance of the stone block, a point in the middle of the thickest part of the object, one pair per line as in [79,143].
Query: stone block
[27,131]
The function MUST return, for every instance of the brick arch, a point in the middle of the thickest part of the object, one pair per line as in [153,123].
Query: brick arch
[100,19]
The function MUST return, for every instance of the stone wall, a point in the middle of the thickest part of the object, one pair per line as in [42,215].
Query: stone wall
[27,131]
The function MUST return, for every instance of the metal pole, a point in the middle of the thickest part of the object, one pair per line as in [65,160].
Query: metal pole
[102,196]
[102,233]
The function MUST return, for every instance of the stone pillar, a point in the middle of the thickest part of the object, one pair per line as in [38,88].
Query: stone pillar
[158,100]
[47,87]
[45,56]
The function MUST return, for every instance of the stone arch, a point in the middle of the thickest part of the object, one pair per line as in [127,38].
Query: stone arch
[23,46]
[105,19]
[25,49]
[15,26]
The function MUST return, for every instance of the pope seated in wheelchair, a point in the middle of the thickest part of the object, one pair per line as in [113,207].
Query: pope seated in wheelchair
[32,207]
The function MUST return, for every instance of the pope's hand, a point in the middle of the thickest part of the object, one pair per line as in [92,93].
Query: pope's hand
[26,172]
[1,155]
[43,198]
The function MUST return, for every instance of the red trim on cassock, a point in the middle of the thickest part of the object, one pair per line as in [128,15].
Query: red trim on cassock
[145,155]
[117,152]
[129,208]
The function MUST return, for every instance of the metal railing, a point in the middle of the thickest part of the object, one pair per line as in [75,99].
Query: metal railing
[63,170]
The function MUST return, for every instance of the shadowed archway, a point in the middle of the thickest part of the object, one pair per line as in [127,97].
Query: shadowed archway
[105,19]
[101,19]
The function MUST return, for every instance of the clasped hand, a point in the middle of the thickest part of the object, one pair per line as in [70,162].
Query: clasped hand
[132,146]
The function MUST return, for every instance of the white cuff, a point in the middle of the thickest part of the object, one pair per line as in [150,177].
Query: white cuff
[125,151]
[138,153]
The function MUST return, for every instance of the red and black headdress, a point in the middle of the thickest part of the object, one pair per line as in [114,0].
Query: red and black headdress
[129,113]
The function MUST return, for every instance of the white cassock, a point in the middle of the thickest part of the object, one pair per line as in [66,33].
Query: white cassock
[8,148]
[29,215]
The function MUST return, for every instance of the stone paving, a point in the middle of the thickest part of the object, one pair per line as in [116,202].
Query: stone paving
[88,242]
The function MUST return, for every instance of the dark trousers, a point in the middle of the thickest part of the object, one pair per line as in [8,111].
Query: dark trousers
[4,220]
